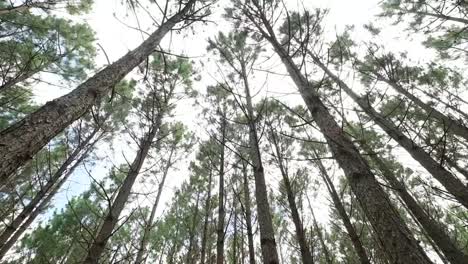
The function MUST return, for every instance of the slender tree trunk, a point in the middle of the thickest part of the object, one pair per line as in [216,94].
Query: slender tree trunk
[49,189]
[449,181]
[206,223]
[300,234]
[221,211]
[234,242]
[394,236]
[105,231]
[190,253]
[267,233]
[454,126]
[20,8]
[248,215]
[36,210]
[439,16]
[326,252]
[434,230]
[463,115]
[149,224]
[354,237]
[20,142]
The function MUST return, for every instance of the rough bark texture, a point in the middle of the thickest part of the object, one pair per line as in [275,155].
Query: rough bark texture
[300,233]
[433,229]
[20,142]
[267,233]
[354,237]
[49,189]
[105,231]
[451,183]
[392,234]
[149,223]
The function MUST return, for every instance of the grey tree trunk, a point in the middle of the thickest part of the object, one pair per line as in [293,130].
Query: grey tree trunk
[454,126]
[206,222]
[149,223]
[221,210]
[354,237]
[105,231]
[248,215]
[21,141]
[449,181]
[393,235]
[267,233]
[300,233]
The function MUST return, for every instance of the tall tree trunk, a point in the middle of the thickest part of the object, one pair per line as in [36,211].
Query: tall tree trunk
[190,253]
[206,222]
[221,211]
[248,214]
[267,233]
[462,114]
[149,224]
[326,252]
[21,141]
[105,231]
[454,126]
[433,229]
[449,181]
[300,234]
[394,236]
[234,240]
[354,237]
[49,189]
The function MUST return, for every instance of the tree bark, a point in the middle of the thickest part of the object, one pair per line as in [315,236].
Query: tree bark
[300,234]
[248,215]
[354,237]
[149,224]
[221,211]
[454,126]
[393,235]
[49,189]
[105,231]
[206,222]
[434,230]
[449,181]
[21,141]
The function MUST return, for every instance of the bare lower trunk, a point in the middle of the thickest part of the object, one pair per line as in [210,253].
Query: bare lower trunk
[300,233]
[105,231]
[149,224]
[267,233]
[20,142]
[326,252]
[248,215]
[449,181]
[393,235]
[354,237]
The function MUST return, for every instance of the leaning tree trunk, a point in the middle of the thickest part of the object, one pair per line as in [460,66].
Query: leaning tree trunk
[433,229]
[453,125]
[393,235]
[449,181]
[20,142]
[62,173]
[354,237]
[105,231]
[149,224]
[300,234]
[267,233]
[39,203]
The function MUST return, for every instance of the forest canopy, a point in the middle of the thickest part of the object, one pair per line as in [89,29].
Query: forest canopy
[233,131]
